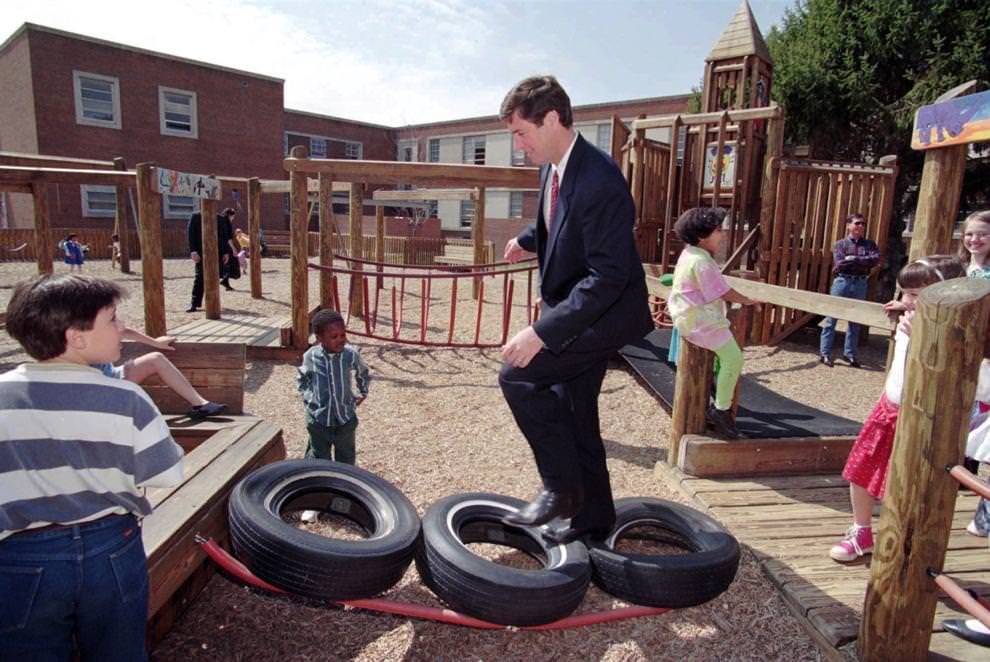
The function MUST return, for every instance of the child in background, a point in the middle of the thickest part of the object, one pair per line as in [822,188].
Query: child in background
[155,363]
[243,243]
[697,307]
[73,252]
[78,451]
[975,250]
[324,382]
[869,460]
[114,251]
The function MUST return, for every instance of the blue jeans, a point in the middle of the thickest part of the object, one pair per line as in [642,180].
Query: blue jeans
[850,288]
[81,588]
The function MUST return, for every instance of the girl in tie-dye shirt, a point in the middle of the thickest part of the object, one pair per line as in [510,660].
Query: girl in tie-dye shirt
[697,306]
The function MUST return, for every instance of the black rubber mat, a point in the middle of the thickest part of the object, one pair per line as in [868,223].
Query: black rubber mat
[763,414]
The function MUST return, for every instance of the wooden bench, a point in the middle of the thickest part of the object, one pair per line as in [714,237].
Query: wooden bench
[219,452]
[455,255]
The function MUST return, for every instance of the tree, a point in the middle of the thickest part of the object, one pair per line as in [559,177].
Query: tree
[851,74]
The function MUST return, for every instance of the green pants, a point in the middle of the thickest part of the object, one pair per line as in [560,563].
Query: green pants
[730,360]
[339,438]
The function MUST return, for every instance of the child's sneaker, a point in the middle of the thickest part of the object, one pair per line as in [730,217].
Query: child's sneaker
[858,542]
[973,529]
[309,516]
[200,412]
[722,422]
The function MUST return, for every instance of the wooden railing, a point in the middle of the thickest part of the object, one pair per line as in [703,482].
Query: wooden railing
[18,244]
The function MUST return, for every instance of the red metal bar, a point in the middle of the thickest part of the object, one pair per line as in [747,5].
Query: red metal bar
[509,286]
[222,558]
[453,311]
[374,316]
[402,305]
[481,304]
[426,267]
[962,597]
[395,328]
[365,302]
[336,293]
[423,309]
[969,481]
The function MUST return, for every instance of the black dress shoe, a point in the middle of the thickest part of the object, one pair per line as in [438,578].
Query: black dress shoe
[959,628]
[566,534]
[853,363]
[543,508]
[191,309]
[827,360]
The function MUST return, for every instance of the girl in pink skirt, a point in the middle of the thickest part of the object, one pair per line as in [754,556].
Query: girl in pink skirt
[869,459]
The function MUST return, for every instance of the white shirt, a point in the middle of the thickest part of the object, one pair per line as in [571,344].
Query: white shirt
[559,169]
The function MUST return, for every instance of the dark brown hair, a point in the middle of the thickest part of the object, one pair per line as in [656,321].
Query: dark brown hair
[929,270]
[534,97]
[698,223]
[45,307]
[324,318]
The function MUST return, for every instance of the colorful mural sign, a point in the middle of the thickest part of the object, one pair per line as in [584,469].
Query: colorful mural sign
[958,121]
[728,156]
[184,183]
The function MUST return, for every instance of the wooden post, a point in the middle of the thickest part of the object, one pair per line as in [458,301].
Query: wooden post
[120,220]
[670,211]
[150,227]
[326,239]
[254,234]
[768,200]
[357,247]
[380,243]
[940,380]
[210,258]
[299,250]
[478,236]
[938,201]
[692,383]
[43,246]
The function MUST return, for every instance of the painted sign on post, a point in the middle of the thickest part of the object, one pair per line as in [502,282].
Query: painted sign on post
[728,159]
[958,121]
[184,183]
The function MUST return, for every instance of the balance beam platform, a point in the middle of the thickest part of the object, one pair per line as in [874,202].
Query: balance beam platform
[790,523]
[261,335]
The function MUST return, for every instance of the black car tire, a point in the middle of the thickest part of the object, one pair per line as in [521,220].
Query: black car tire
[666,580]
[315,566]
[489,591]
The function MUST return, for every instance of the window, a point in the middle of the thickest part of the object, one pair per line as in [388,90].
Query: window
[177,112]
[99,201]
[518,157]
[179,206]
[352,150]
[604,139]
[434,210]
[515,204]
[318,148]
[467,213]
[434,150]
[97,99]
[474,150]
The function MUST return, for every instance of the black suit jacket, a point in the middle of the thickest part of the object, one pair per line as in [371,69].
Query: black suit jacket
[591,278]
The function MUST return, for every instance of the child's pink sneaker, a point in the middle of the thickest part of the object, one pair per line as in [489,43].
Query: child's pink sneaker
[858,542]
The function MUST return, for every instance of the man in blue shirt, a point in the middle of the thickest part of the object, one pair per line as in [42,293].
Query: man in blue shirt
[853,258]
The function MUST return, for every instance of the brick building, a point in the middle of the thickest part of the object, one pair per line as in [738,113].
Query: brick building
[71,95]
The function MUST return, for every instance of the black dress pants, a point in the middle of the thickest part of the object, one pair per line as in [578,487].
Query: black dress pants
[554,400]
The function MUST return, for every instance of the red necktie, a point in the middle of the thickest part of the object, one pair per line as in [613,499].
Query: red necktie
[554,191]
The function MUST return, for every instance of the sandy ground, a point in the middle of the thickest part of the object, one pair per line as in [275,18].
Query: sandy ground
[436,424]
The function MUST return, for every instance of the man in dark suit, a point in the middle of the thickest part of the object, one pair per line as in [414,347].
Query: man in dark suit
[594,301]
[194,235]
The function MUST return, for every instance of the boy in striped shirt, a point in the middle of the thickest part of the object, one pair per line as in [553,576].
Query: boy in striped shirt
[324,381]
[76,450]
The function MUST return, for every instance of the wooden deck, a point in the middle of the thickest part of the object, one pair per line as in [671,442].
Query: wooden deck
[791,522]
[261,335]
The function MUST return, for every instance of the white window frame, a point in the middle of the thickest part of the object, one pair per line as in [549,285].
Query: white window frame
[470,148]
[515,204]
[116,122]
[193,132]
[353,150]
[607,130]
[324,147]
[434,150]
[169,212]
[518,157]
[88,211]
[467,213]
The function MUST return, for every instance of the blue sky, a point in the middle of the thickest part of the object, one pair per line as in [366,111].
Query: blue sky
[415,61]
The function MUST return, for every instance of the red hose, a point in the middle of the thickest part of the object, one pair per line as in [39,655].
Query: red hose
[223,559]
